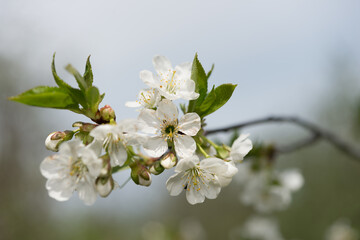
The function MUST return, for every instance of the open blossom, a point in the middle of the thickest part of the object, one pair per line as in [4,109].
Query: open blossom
[268,191]
[200,178]
[241,146]
[76,167]
[148,98]
[342,230]
[171,83]
[164,126]
[114,138]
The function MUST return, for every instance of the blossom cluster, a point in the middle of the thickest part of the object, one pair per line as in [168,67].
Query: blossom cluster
[158,140]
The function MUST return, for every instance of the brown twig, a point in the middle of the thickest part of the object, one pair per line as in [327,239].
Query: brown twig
[317,133]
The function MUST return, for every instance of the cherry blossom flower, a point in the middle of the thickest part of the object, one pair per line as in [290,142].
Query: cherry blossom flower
[114,138]
[341,230]
[76,167]
[200,178]
[165,127]
[171,83]
[148,98]
[241,146]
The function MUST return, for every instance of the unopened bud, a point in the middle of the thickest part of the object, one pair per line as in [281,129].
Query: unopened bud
[156,168]
[107,113]
[168,161]
[141,176]
[104,186]
[85,127]
[53,141]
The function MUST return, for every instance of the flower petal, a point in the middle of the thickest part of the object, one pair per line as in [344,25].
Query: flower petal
[117,153]
[190,124]
[176,184]
[155,146]
[167,110]
[133,104]
[87,192]
[185,146]
[241,146]
[148,78]
[149,122]
[162,64]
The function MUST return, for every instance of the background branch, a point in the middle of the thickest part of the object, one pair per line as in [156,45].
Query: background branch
[317,133]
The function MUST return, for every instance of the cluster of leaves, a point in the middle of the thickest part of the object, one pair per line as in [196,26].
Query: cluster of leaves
[208,102]
[83,100]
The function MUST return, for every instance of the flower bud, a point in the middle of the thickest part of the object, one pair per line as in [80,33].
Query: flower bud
[104,186]
[169,160]
[54,139]
[107,113]
[156,168]
[141,176]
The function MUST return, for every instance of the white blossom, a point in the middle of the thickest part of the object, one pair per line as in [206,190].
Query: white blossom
[261,228]
[268,191]
[172,83]
[342,230]
[164,126]
[148,98]
[200,178]
[241,146]
[76,167]
[114,138]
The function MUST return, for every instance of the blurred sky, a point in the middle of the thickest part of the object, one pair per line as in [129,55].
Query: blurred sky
[279,52]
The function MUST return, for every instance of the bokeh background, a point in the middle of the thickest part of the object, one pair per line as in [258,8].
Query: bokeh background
[298,58]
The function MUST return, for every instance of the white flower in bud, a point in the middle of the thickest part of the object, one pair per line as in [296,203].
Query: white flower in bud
[145,182]
[241,146]
[53,141]
[75,168]
[148,98]
[104,186]
[169,161]
[171,83]
[164,125]
[200,178]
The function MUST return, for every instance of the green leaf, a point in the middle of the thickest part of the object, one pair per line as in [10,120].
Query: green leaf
[223,94]
[75,94]
[207,103]
[199,76]
[43,96]
[210,72]
[80,80]
[88,75]
[93,98]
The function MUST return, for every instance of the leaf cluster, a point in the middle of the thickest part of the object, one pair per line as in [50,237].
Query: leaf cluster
[83,100]
[207,102]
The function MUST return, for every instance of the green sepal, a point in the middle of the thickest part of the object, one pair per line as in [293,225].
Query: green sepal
[48,97]
[199,76]
[88,75]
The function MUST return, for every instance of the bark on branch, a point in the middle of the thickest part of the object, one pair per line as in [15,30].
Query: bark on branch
[317,133]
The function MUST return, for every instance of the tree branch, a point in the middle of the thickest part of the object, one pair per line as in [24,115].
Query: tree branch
[317,134]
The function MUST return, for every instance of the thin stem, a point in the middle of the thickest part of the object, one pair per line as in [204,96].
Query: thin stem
[317,134]
[202,150]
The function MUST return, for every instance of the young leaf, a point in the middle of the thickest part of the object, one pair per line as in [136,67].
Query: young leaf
[49,97]
[88,75]
[210,72]
[80,80]
[93,98]
[206,104]
[199,76]
[75,94]
[223,94]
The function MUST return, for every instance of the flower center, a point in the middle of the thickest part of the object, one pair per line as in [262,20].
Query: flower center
[78,169]
[170,82]
[169,129]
